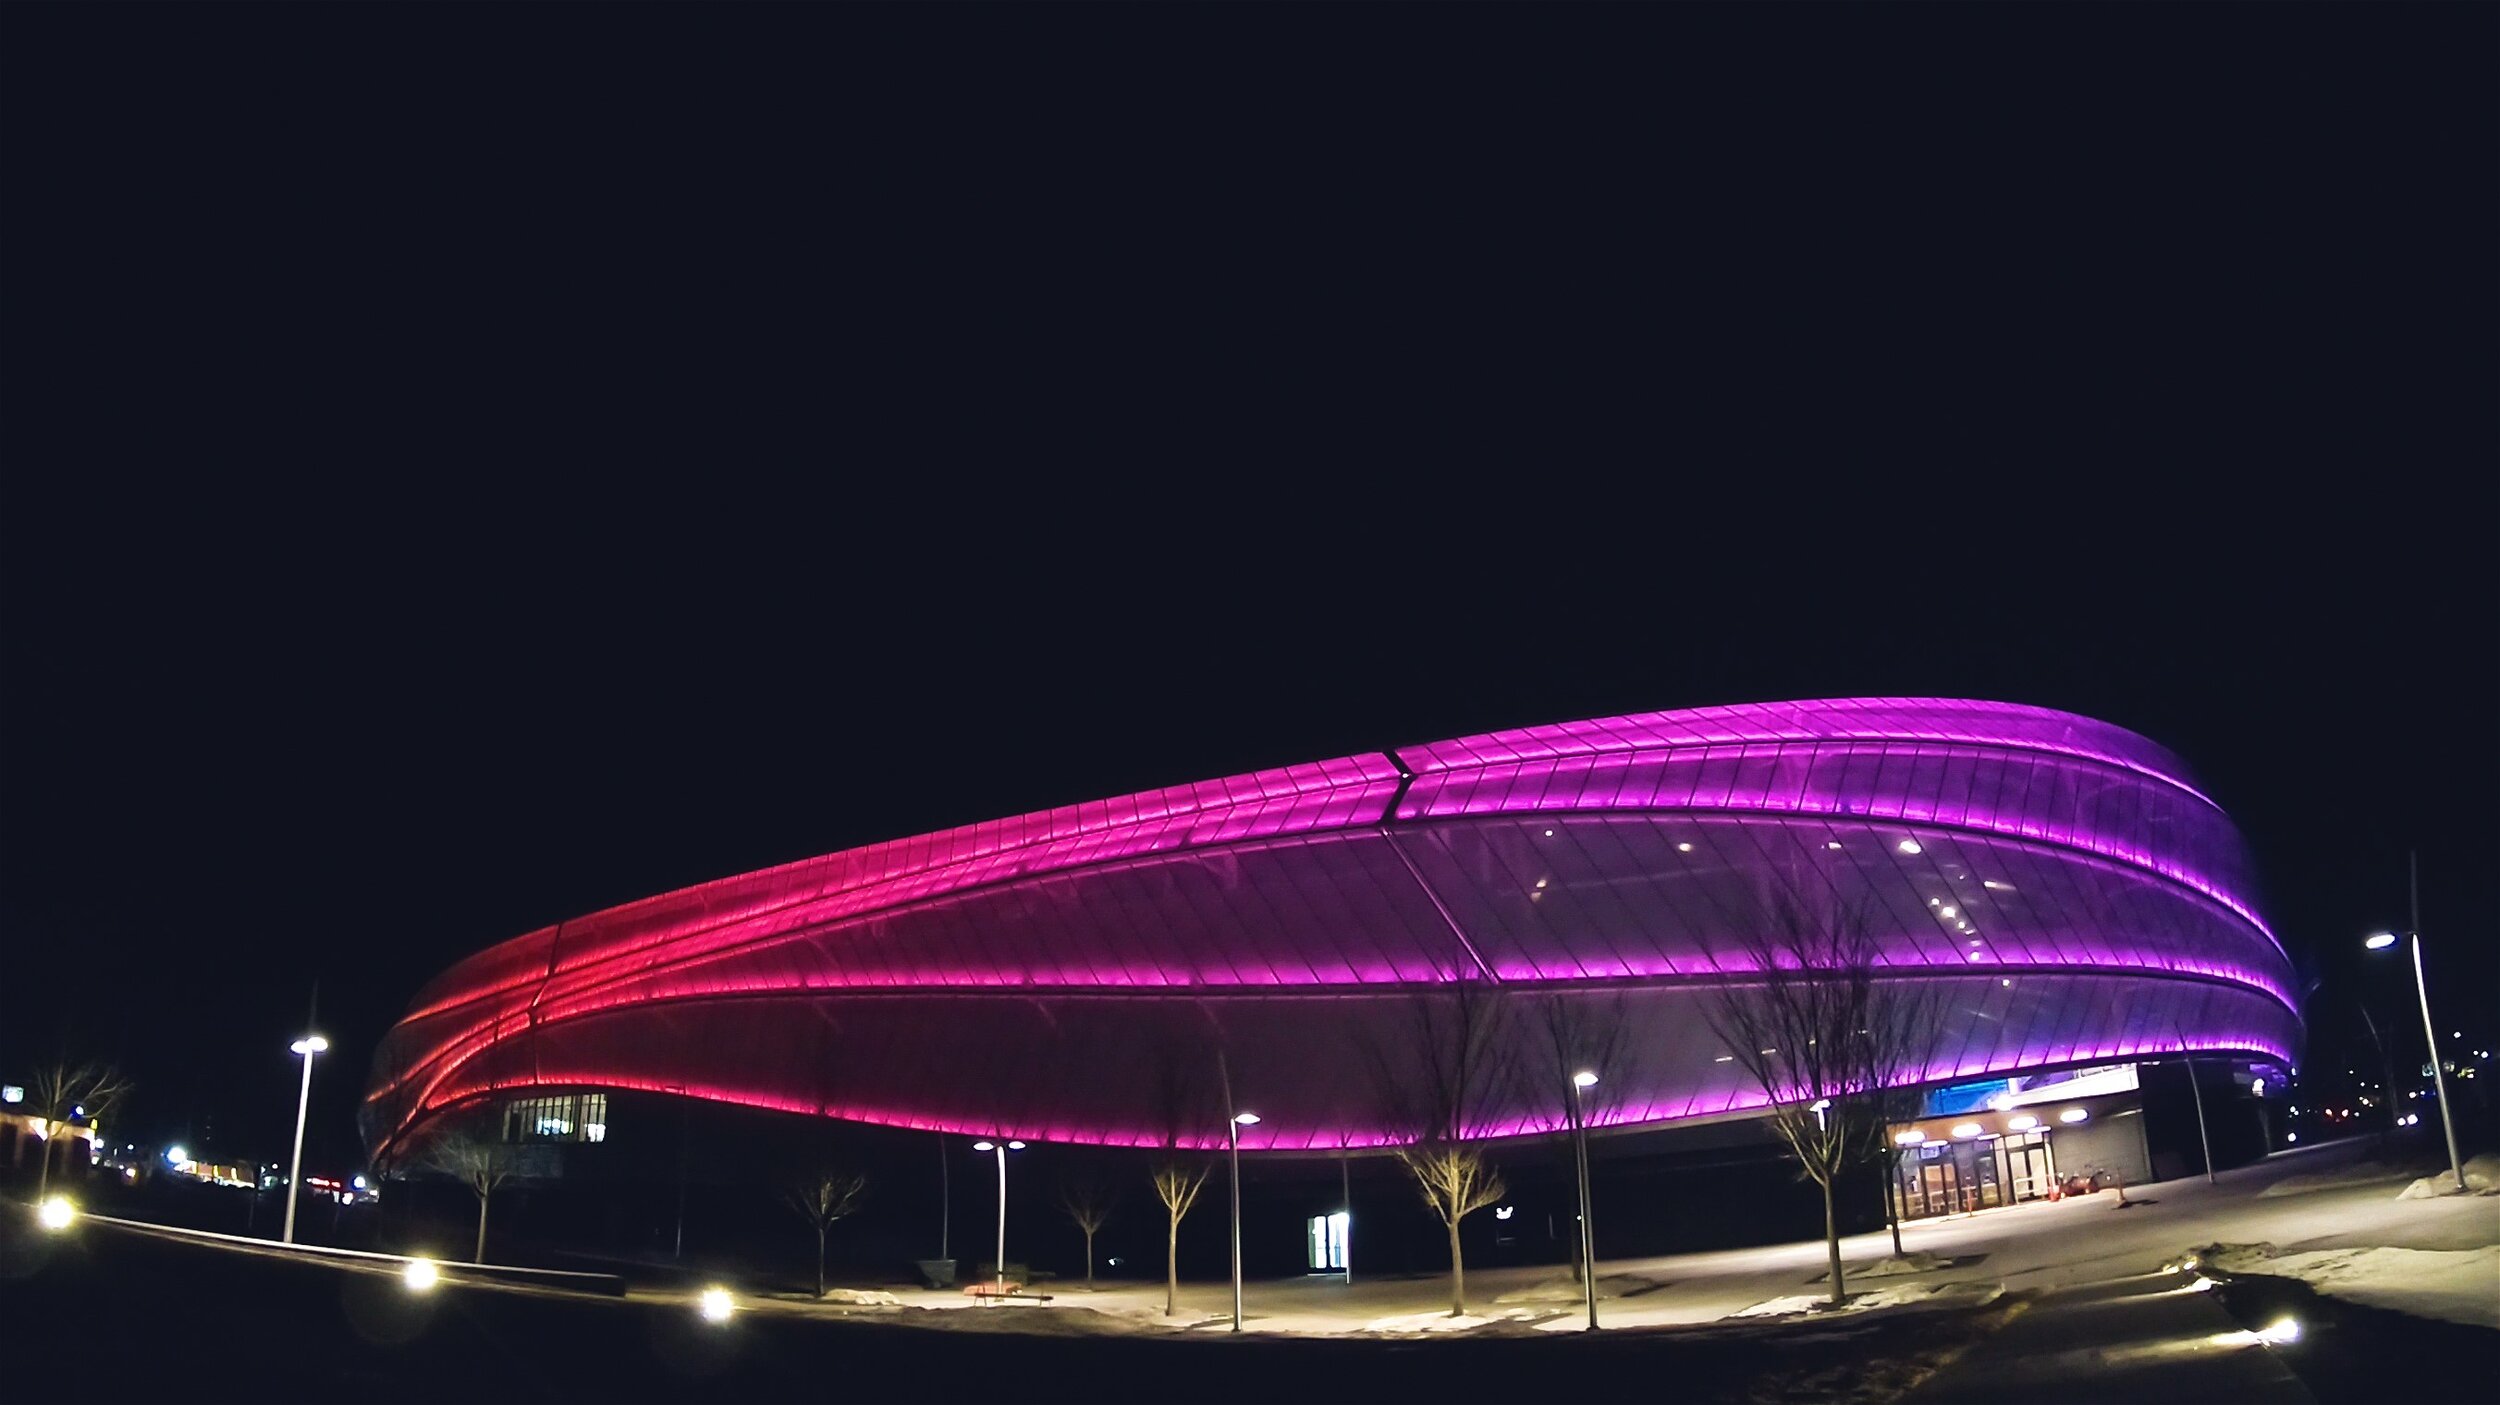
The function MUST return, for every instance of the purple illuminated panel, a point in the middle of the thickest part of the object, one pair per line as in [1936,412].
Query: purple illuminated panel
[2066,873]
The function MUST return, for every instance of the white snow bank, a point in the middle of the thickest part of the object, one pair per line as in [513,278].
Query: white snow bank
[2453,1285]
[2482,1177]
[862,1297]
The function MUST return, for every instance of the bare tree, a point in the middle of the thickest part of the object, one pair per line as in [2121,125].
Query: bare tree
[61,1093]
[1088,1200]
[1581,1033]
[1829,1045]
[822,1198]
[1182,1102]
[479,1163]
[1445,1070]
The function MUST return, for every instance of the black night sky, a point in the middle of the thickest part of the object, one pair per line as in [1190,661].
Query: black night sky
[467,467]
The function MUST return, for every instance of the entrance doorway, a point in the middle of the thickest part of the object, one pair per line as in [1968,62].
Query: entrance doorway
[1326,1235]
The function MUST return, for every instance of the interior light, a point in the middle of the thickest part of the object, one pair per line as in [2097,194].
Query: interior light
[2023,1123]
[1991,884]
[717,1304]
[1935,902]
[985,1146]
[2009,980]
[1978,955]
[1908,846]
[2073,1114]
[1684,848]
[1974,941]
[420,1275]
[1015,1146]
[2380,941]
[1503,1212]
[1908,1138]
[1966,1129]
[1948,910]
[1724,1059]
[1549,834]
[1832,844]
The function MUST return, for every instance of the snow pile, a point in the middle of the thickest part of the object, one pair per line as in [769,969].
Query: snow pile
[1931,1294]
[2453,1285]
[862,1297]
[1439,1322]
[2482,1177]
[1561,1288]
[1916,1261]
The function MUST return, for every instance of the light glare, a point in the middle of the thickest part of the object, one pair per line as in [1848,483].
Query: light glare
[717,1305]
[57,1213]
[420,1275]
[2380,941]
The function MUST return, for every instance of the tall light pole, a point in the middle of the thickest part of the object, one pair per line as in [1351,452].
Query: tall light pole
[2380,941]
[307,1046]
[1232,1138]
[1581,1082]
[2203,1140]
[1002,1148]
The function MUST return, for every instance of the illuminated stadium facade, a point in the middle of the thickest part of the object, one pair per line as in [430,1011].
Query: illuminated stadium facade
[2062,884]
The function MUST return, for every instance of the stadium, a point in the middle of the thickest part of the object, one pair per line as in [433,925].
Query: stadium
[2062,886]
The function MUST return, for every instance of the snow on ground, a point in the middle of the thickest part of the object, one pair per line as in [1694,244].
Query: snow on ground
[2453,1285]
[1562,1288]
[2041,1244]
[1915,1261]
[2482,1177]
[1930,1294]
[1443,1322]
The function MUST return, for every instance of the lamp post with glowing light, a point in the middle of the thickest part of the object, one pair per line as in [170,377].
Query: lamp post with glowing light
[2380,941]
[1581,1082]
[307,1046]
[1002,1148]
[1232,1138]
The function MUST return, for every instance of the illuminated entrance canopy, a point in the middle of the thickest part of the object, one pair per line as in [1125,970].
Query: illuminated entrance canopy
[2074,895]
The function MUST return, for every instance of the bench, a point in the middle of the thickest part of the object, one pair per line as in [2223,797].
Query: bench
[990,1290]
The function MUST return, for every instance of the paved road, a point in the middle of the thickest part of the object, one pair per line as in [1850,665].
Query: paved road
[2152,1339]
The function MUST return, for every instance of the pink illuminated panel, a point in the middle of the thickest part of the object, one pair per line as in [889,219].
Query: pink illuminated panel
[2060,868]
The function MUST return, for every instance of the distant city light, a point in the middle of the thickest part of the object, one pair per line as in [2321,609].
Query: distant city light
[177,1155]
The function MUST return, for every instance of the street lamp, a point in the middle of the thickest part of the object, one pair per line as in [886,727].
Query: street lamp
[1232,1138]
[2380,941]
[1002,1148]
[1581,1082]
[308,1046]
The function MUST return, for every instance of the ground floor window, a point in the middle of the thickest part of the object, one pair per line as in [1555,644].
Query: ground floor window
[566,1117]
[1956,1177]
[1326,1234]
